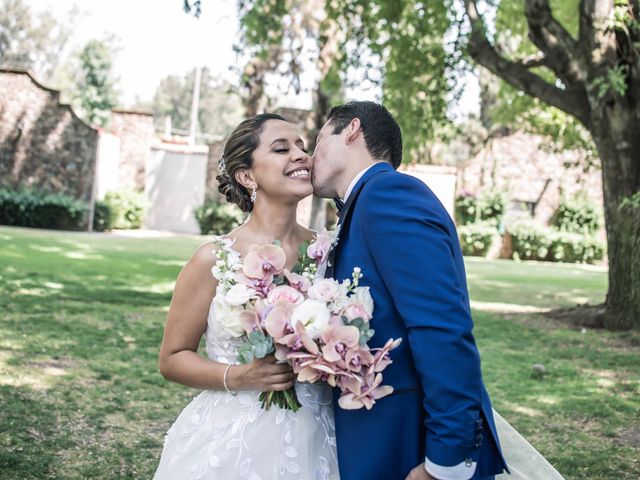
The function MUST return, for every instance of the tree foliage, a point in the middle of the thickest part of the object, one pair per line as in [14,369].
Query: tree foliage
[95,93]
[401,46]
[31,40]
[219,108]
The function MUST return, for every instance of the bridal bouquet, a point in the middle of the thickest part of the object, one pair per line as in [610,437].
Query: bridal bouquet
[319,325]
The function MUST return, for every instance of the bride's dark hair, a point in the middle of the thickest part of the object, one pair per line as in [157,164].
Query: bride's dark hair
[238,155]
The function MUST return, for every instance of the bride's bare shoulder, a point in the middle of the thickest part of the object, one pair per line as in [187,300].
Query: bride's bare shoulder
[205,254]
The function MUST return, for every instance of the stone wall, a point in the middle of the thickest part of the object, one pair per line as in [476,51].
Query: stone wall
[43,144]
[136,132]
[520,165]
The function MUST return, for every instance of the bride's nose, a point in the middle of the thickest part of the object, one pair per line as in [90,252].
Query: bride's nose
[300,156]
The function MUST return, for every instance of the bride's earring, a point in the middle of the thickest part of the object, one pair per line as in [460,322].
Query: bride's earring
[254,194]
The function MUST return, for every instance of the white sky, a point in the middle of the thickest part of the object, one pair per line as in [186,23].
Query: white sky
[157,39]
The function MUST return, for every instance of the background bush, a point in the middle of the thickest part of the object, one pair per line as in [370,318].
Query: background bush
[103,217]
[218,218]
[476,238]
[30,208]
[466,208]
[127,209]
[529,240]
[490,206]
[577,215]
[575,248]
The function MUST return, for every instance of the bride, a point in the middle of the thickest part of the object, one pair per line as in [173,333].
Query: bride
[224,432]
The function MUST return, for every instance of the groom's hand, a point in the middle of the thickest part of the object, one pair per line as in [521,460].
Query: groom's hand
[419,473]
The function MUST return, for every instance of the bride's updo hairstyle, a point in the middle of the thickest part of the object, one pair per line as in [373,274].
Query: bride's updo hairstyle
[238,155]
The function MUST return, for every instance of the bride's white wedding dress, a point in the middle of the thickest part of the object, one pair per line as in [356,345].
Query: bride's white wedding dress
[219,436]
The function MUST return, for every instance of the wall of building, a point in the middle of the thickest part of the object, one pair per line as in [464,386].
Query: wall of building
[175,182]
[43,144]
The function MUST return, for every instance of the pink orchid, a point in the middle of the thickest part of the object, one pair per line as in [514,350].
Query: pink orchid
[299,341]
[250,321]
[264,261]
[368,395]
[338,341]
[262,286]
[285,294]
[355,359]
[319,249]
[277,322]
[297,281]
[381,358]
[311,368]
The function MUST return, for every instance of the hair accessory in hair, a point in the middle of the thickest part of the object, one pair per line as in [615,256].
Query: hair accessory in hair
[222,166]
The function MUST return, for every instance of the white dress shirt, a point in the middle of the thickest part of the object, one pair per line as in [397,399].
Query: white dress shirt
[354,181]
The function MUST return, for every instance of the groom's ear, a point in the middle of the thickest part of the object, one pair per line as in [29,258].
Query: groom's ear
[353,130]
[244,178]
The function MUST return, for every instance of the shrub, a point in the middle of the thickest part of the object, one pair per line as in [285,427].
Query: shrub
[529,240]
[218,218]
[577,215]
[575,248]
[30,208]
[127,207]
[103,217]
[466,208]
[476,238]
[492,206]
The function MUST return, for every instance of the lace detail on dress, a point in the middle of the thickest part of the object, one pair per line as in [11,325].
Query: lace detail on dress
[219,436]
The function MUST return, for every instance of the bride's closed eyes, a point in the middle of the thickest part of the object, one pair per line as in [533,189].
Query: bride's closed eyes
[284,148]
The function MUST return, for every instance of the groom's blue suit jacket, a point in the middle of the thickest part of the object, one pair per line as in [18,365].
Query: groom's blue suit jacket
[395,229]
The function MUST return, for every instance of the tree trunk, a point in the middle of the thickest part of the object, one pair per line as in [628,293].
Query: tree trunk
[616,136]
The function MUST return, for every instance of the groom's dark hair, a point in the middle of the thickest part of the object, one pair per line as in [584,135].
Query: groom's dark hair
[381,132]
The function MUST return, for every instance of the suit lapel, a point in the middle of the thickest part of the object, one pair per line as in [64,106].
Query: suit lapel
[345,215]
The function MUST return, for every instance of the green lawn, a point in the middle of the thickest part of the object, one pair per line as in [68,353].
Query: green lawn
[81,320]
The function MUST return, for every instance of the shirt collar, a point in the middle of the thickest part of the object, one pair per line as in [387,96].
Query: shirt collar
[354,181]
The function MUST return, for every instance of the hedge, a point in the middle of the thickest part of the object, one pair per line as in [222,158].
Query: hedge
[30,208]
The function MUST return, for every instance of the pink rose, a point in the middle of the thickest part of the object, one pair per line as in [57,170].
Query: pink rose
[325,289]
[285,294]
[356,310]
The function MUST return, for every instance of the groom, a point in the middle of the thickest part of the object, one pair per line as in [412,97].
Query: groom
[438,423]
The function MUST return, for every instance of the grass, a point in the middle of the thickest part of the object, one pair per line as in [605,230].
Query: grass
[81,321]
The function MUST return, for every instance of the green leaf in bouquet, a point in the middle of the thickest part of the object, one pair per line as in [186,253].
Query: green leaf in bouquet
[357,322]
[245,353]
[279,280]
[366,334]
[256,337]
[264,348]
[302,249]
[345,320]
[277,243]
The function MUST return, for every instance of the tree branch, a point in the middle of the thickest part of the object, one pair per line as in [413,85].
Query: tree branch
[532,61]
[572,100]
[560,48]
[599,44]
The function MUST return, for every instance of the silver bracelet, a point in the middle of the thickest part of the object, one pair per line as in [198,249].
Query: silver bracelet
[224,380]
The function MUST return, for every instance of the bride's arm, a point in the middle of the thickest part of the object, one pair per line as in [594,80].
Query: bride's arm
[186,323]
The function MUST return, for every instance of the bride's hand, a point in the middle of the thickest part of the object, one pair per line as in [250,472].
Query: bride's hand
[262,375]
